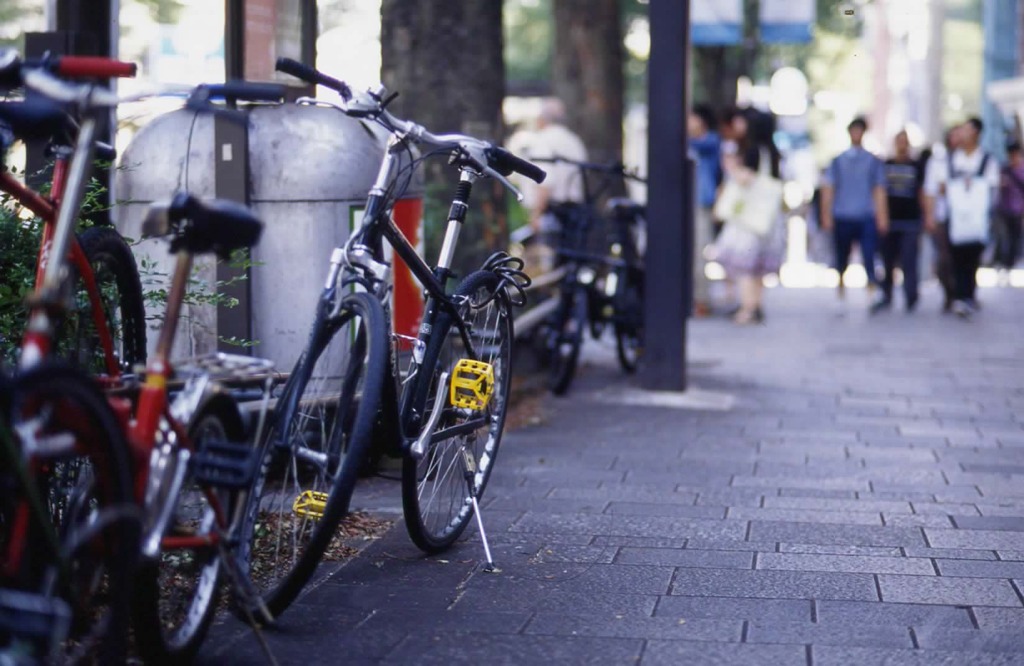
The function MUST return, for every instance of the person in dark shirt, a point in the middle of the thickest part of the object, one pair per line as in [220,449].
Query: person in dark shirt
[1009,211]
[904,180]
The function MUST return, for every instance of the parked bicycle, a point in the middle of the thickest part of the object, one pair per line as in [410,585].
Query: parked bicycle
[444,410]
[68,525]
[604,288]
[193,472]
[102,327]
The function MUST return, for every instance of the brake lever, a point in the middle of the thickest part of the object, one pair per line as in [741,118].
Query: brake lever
[504,181]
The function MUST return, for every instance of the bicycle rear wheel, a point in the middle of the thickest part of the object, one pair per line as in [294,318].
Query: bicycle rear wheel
[120,292]
[60,430]
[311,457]
[629,319]
[177,593]
[436,493]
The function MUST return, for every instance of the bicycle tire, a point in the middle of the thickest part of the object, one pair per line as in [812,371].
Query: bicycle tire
[308,407]
[566,338]
[629,322]
[435,532]
[176,596]
[117,279]
[89,494]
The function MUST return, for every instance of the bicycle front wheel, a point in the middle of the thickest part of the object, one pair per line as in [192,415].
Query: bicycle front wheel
[81,554]
[311,457]
[437,488]
[566,338]
[120,306]
[629,319]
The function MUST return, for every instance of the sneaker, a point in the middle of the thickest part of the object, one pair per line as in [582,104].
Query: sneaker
[962,309]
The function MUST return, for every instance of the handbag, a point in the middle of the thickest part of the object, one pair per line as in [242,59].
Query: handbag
[752,207]
[970,204]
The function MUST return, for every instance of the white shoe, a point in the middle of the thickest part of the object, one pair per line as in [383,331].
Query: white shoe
[962,309]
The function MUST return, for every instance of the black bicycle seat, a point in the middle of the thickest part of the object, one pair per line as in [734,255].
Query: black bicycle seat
[213,226]
[34,119]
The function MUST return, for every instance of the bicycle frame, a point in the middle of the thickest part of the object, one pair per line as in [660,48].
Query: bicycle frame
[152,407]
[376,227]
[37,341]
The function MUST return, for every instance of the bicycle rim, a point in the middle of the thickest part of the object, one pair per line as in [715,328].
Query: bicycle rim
[311,457]
[436,496]
[86,490]
[566,340]
[120,294]
[178,592]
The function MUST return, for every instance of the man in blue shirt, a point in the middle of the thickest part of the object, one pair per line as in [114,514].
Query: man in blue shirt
[853,203]
[705,144]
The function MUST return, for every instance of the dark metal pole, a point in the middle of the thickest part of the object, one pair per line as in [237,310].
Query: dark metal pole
[81,30]
[234,40]
[669,217]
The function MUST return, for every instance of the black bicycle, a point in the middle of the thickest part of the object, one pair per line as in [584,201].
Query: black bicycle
[440,398]
[603,287]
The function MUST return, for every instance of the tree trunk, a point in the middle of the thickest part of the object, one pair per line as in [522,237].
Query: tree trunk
[446,60]
[587,73]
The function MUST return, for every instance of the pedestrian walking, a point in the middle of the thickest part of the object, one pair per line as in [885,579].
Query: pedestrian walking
[706,145]
[939,214]
[904,182]
[750,245]
[969,177]
[1006,223]
[853,198]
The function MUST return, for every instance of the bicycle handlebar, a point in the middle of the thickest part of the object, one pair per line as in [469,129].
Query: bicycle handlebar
[88,98]
[92,67]
[613,169]
[13,68]
[311,75]
[493,160]
[247,91]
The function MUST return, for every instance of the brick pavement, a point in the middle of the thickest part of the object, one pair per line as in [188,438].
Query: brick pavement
[838,491]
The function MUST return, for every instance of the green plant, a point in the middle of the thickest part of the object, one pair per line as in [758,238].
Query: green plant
[199,293]
[19,245]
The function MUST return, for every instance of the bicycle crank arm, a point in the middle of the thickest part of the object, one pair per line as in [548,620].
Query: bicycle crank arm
[461,429]
[419,447]
[167,476]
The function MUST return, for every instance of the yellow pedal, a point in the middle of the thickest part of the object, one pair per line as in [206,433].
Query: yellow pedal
[310,504]
[472,384]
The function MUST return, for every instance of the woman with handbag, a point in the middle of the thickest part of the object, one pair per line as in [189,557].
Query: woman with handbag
[752,239]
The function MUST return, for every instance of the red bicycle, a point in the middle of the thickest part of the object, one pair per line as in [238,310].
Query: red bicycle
[103,328]
[191,474]
[68,525]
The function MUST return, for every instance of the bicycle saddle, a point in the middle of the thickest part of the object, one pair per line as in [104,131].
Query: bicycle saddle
[40,119]
[34,119]
[213,226]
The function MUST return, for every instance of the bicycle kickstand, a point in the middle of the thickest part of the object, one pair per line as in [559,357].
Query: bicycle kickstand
[469,469]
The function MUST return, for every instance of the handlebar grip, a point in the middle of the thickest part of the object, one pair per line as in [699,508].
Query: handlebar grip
[247,91]
[505,163]
[310,75]
[93,67]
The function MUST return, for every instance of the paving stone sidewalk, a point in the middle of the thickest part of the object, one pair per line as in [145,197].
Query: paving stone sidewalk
[836,490]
